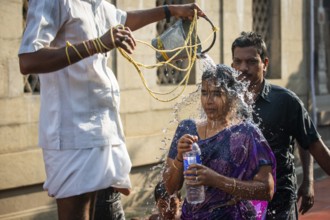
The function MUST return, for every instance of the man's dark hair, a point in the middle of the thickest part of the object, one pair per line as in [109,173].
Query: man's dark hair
[160,192]
[251,39]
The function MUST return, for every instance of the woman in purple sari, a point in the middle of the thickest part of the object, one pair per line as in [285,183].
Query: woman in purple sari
[238,169]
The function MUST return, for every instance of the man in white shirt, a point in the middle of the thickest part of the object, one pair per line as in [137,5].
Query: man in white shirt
[66,42]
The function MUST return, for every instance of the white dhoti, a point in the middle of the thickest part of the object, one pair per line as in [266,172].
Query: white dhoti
[77,171]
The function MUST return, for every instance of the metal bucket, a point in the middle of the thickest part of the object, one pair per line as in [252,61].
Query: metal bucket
[175,37]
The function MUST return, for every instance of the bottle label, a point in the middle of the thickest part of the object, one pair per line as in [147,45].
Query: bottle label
[191,159]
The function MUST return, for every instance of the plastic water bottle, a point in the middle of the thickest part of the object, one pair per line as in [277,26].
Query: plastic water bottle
[195,194]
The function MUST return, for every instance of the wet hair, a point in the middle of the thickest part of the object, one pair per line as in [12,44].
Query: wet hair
[251,39]
[160,192]
[224,75]
[225,78]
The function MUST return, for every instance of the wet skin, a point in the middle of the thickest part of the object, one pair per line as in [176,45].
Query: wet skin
[253,68]
[169,208]
[214,101]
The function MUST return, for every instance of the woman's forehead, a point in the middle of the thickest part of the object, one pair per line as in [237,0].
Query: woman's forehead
[211,84]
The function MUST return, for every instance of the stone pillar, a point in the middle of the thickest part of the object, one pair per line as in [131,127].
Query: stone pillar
[322,65]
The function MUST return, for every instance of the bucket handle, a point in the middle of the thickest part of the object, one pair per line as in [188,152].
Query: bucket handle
[214,36]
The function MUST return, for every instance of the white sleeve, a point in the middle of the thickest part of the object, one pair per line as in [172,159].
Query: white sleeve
[121,16]
[44,20]
[115,16]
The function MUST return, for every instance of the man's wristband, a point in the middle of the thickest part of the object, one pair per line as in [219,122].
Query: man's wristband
[167,13]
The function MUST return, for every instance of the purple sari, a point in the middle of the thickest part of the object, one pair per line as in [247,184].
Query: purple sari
[238,152]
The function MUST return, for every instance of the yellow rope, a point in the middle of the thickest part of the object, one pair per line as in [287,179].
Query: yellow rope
[191,50]
[67,52]
[68,44]
[86,48]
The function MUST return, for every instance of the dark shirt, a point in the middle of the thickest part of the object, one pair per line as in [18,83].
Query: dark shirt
[282,119]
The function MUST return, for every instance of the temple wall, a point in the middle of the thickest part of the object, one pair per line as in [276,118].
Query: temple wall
[146,121]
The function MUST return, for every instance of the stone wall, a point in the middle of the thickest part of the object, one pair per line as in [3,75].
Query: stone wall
[21,166]
[146,121]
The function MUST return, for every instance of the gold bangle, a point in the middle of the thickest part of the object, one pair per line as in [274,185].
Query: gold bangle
[175,165]
[234,186]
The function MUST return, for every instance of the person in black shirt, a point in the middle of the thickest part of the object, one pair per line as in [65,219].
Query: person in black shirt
[283,120]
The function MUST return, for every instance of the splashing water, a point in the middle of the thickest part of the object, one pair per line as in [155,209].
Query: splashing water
[207,63]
